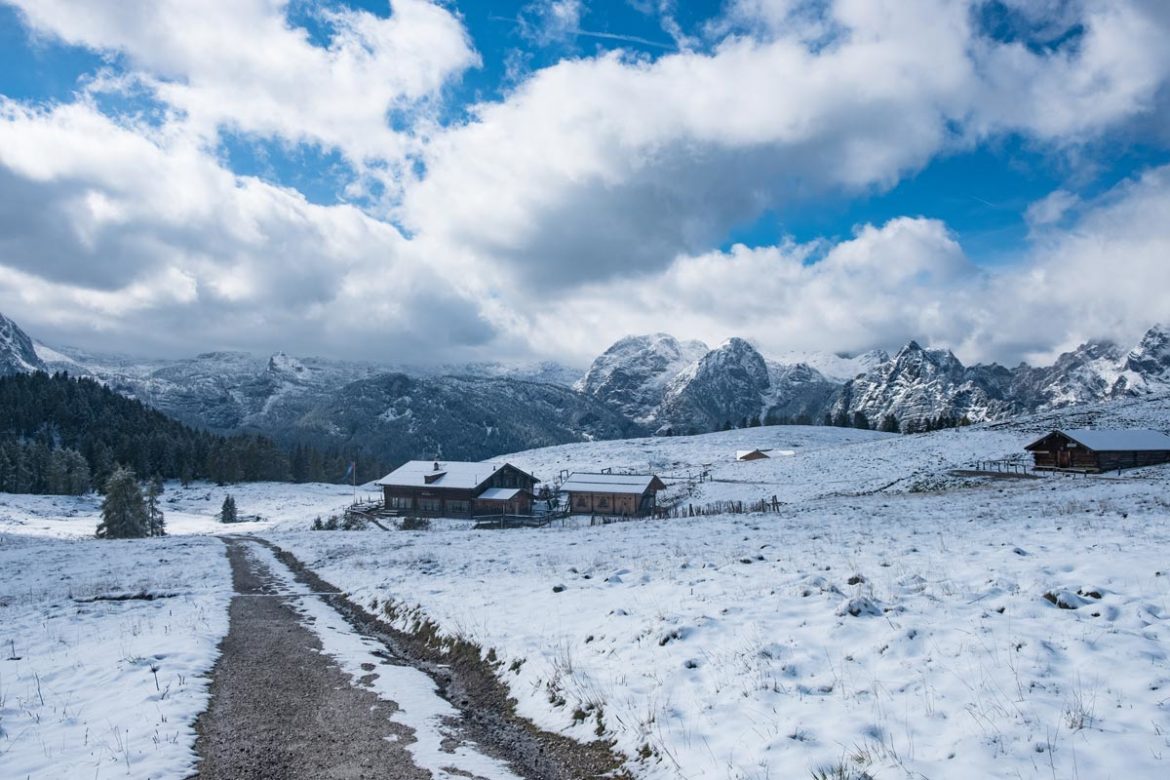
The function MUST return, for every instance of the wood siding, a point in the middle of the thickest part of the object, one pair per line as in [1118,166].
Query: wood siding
[439,501]
[1057,451]
[624,504]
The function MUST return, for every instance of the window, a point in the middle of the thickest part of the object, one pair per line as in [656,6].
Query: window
[429,505]
[401,502]
[457,507]
[603,502]
[580,501]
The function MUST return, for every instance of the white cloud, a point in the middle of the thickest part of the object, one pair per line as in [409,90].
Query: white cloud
[551,21]
[149,240]
[595,167]
[240,64]
[1105,276]
[584,204]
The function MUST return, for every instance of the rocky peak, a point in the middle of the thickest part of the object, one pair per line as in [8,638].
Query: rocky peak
[1151,357]
[17,353]
[632,375]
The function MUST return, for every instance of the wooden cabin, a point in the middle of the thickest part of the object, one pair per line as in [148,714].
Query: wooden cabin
[458,489]
[1099,450]
[630,495]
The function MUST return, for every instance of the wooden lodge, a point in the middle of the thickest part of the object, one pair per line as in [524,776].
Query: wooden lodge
[1094,451]
[458,489]
[629,495]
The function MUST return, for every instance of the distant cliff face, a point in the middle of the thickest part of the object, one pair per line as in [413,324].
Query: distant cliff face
[17,354]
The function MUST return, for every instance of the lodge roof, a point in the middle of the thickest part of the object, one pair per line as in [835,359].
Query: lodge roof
[500,494]
[451,474]
[1134,440]
[612,483]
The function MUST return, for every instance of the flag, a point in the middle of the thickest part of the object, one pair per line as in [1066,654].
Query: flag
[348,470]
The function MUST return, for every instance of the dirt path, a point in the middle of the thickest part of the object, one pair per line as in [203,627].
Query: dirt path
[283,708]
[279,709]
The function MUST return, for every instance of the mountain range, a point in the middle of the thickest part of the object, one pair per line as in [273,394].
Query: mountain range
[642,384]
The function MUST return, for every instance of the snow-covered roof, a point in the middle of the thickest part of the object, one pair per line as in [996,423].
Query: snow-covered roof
[611,483]
[460,475]
[499,494]
[1137,440]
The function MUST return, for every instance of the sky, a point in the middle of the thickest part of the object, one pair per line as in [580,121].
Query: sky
[441,181]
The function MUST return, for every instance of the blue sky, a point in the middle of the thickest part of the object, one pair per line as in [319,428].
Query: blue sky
[452,168]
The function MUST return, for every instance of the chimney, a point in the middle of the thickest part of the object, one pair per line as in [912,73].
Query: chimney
[436,465]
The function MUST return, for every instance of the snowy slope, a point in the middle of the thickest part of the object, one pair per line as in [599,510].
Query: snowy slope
[891,619]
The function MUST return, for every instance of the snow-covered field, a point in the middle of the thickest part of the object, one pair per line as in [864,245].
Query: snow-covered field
[891,619]
[188,510]
[79,692]
[93,686]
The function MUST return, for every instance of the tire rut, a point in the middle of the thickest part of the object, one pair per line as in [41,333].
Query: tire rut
[282,709]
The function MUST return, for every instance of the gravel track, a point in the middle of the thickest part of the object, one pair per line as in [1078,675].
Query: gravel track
[280,708]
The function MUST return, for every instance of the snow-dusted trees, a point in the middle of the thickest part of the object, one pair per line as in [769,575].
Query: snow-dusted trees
[124,513]
[156,522]
[228,512]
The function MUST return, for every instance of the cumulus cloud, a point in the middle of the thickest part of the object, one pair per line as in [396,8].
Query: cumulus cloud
[241,65]
[1105,276]
[585,203]
[148,239]
[594,167]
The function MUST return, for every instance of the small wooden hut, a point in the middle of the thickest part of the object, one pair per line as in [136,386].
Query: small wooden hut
[631,495]
[1094,451]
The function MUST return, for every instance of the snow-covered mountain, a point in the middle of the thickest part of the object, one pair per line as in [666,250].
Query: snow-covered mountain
[671,386]
[839,368]
[1146,368]
[640,384]
[920,386]
[17,354]
[632,376]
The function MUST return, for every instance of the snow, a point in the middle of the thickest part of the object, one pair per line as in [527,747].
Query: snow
[419,706]
[1121,441]
[892,617]
[188,510]
[98,688]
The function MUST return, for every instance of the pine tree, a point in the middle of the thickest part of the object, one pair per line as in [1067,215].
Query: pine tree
[860,420]
[155,520]
[890,424]
[228,513]
[124,514]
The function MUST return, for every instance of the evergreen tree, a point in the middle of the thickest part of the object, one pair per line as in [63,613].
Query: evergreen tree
[841,419]
[155,519]
[124,513]
[860,420]
[228,513]
[890,424]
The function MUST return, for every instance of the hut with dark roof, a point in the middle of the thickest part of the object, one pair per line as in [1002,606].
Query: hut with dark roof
[1094,451]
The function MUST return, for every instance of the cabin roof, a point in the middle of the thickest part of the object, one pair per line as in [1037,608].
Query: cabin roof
[611,483]
[459,475]
[1133,440]
[741,454]
[500,494]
